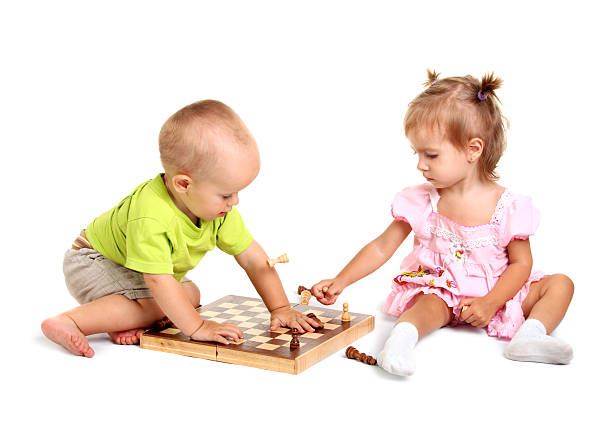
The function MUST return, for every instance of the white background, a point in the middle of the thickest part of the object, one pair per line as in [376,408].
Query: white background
[323,86]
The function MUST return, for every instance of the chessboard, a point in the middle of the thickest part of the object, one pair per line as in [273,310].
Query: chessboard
[260,347]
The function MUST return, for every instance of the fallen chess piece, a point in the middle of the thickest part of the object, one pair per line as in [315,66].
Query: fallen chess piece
[353,353]
[305,295]
[281,259]
[162,324]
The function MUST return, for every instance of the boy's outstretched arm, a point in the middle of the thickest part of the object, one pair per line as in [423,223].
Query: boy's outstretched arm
[173,301]
[371,257]
[266,281]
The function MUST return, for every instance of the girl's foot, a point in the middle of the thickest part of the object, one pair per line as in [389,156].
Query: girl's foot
[531,344]
[126,337]
[397,355]
[61,329]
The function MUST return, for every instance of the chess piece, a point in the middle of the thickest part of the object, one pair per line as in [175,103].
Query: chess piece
[281,259]
[317,320]
[353,353]
[295,343]
[305,295]
[346,317]
[162,324]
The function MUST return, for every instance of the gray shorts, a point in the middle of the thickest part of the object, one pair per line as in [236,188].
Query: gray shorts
[90,275]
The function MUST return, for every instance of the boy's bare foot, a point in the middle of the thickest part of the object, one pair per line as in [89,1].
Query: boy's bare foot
[61,329]
[126,337]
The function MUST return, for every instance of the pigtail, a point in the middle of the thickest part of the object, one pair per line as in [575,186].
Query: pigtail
[488,85]
[432,77]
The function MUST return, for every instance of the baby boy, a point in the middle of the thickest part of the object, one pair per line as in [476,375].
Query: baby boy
[127,268]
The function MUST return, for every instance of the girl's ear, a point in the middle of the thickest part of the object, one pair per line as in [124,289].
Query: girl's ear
[474,149]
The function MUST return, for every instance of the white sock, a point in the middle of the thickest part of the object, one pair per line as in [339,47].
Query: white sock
[531,344]
[397,355]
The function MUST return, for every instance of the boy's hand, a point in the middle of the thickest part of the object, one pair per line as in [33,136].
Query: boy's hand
[334,288]
[288,317]
[478,311]
[213,331]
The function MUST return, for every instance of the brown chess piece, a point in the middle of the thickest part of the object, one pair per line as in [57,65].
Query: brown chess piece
[295,343]
[162,324]
[353,353]
[317,320]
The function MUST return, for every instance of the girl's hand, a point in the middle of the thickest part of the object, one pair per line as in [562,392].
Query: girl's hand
[334,288]
[478,311]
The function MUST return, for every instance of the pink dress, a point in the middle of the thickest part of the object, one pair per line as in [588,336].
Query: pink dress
[454,261]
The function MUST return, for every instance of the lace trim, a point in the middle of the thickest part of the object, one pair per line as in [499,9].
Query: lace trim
[498,214]
[460,242]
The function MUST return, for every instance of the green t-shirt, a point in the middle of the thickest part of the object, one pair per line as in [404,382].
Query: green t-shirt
[147,233]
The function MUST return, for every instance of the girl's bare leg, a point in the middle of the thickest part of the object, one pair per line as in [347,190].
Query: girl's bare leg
[544,307]
[427,314]
[548,300]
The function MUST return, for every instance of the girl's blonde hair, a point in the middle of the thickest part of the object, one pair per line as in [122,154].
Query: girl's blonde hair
[462,108]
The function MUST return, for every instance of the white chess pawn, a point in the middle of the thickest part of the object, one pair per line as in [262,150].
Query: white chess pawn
[346,317]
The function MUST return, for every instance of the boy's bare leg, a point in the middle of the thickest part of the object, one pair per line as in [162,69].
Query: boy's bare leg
[132,336]
[427,314]
[109,314]
[61,329]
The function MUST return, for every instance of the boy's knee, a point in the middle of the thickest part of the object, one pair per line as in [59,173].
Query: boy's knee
[192,292]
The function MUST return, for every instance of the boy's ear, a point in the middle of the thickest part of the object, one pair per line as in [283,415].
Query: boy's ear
[181,182]
[474,148]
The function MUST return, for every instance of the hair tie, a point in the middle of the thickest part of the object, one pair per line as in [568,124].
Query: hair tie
[482,96]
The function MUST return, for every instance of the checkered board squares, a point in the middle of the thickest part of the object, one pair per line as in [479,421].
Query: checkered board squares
[260,346]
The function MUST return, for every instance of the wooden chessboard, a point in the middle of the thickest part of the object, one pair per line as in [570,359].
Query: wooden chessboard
[261,347]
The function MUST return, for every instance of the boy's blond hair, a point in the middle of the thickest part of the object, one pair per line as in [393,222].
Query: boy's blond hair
[462,108]
[185,140]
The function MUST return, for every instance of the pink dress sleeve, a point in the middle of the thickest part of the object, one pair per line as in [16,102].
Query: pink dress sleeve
[413,206]
[521,220]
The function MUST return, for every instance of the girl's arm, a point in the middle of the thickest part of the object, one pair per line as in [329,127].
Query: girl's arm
[480,310]
[368,260]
